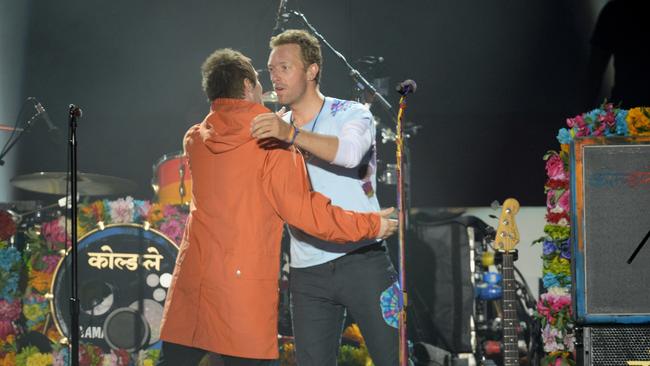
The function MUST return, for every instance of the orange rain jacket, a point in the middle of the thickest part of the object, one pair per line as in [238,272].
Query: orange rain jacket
[224,293]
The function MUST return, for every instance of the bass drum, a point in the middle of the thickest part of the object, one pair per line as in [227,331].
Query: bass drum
[124,274]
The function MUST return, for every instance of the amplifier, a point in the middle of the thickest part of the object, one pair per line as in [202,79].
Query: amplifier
[611,220]
[615,345]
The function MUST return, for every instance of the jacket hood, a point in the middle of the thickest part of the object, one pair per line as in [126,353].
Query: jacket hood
[227,126]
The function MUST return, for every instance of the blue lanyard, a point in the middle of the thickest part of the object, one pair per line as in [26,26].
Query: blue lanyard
[316,119]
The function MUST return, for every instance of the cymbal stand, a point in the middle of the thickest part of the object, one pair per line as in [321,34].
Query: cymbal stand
[21,131]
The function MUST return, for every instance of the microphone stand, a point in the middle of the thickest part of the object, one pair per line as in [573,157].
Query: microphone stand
[402,210]
[74,114]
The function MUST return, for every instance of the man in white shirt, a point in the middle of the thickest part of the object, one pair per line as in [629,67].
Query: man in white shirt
[338,138]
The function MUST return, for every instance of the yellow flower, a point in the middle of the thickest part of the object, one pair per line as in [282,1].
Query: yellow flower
[353,333]
[39,359]
[638,121]
[565,148]
[40,281]
[155,213]
[148,362]
[53,334]
[559,266]
[9,360]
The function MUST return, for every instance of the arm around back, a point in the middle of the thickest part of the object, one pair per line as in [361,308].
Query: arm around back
[287,187]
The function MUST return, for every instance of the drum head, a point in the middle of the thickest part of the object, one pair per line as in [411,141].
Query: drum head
[124,274]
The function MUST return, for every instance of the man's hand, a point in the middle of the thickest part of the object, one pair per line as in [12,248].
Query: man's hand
[271,125]
[388,226]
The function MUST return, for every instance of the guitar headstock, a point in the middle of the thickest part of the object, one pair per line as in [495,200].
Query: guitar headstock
[507,236]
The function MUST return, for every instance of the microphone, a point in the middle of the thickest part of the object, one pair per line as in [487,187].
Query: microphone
[407,86]
[75,111]
[43,113]
[281,18]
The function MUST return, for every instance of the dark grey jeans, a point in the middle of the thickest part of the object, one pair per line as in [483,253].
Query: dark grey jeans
[320,296]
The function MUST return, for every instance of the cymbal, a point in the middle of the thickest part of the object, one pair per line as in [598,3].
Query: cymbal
[87,184]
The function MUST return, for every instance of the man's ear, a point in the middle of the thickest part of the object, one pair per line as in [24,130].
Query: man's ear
[248,86]
[312,71]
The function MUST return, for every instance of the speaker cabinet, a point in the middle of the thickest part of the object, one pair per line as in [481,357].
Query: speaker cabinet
[439,287]
[610,186]
[614,346]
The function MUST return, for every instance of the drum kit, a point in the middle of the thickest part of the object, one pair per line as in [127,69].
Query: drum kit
[124,270]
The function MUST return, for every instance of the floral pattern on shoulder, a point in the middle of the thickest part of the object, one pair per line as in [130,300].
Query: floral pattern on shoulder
[339,105]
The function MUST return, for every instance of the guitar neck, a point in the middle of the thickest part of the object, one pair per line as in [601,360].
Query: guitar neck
[510,338]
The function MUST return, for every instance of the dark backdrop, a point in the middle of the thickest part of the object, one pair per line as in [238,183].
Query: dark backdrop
[496,80]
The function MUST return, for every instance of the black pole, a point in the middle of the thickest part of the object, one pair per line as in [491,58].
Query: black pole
[74,114]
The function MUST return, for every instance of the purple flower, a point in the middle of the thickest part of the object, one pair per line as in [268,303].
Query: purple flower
[10,311]
[549,247]
[173,229]
[549,336]
[51,262]
[565,249]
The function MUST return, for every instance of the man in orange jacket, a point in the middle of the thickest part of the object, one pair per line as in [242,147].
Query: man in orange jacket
[224,293]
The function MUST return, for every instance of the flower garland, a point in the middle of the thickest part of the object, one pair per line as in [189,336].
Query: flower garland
[10,303]
[554,308]
[169,219]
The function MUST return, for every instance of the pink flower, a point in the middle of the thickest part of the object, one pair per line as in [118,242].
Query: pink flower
[564,201]
[550,199]
[556,303]
[555,168]
[582,131]
[173,229]
[10,311]
[609,119]
[6,329]
[571,121]
[542,309]
[122,210]
[54,231]
[51,261]
[600,130]
[170,210]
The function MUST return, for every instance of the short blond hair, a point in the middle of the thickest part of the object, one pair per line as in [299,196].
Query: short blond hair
[309,47]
